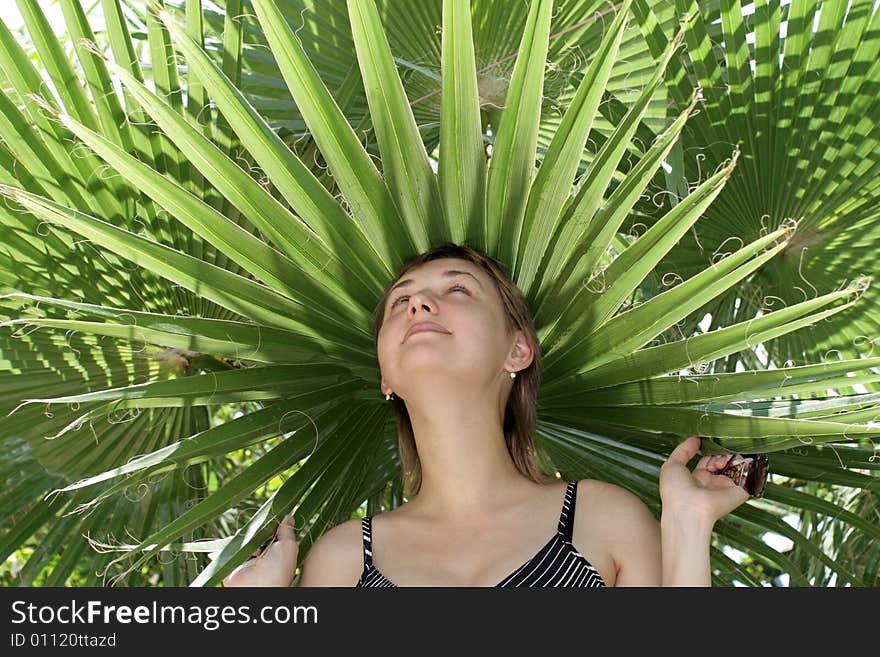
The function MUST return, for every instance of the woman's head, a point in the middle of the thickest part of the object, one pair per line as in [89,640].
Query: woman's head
[486,332]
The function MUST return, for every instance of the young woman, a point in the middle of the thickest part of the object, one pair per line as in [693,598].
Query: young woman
[461,366]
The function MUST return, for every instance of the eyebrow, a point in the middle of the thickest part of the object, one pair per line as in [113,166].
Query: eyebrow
[449,273]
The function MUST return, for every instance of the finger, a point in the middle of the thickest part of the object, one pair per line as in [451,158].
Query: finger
[285,529]
[718,481]
[726,487]
[719,462]
[685,450]
[735,495]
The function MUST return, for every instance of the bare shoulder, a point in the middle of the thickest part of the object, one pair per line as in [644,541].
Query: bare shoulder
[631,532]
[611,499]
[336,558]
[621,513]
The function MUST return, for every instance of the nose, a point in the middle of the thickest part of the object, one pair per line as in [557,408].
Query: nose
[419,300]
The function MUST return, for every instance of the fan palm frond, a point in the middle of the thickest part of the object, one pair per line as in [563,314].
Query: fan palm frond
[169,254]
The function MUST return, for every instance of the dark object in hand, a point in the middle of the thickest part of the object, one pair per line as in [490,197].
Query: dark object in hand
[749,472]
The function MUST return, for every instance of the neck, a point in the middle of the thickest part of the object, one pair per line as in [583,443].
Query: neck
[466,469]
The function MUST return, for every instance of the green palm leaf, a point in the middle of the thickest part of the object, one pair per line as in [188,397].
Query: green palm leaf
[794,86]
[191,258]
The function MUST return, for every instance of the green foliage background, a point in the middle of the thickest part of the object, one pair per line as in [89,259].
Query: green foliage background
[204,200]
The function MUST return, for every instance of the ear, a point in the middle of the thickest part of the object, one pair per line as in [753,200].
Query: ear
[384,388]
[521,353]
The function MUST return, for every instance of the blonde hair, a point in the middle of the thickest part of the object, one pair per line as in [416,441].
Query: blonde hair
[521,410]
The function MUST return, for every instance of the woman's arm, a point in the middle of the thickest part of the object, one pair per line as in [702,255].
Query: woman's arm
[675,551]
[685,549]
[692,503]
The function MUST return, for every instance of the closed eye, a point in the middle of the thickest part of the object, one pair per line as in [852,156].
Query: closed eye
[452,289]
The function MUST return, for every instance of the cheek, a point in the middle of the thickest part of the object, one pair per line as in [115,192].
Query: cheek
[481,338]
[386,345]
[381,344]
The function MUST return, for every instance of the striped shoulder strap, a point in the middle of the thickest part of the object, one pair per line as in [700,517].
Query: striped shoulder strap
[566,518]
[367,528]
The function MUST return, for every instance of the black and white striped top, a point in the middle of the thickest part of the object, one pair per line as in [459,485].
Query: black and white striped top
[558,563]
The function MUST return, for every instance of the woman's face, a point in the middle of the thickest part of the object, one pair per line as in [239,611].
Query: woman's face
[474,342]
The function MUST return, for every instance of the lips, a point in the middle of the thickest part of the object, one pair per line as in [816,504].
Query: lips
[425,326]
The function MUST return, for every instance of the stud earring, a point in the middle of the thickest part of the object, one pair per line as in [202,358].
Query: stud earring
[513,375]
[389,397]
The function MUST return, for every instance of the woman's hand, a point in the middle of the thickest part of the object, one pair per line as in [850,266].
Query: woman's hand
[276,566]
[700,493]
